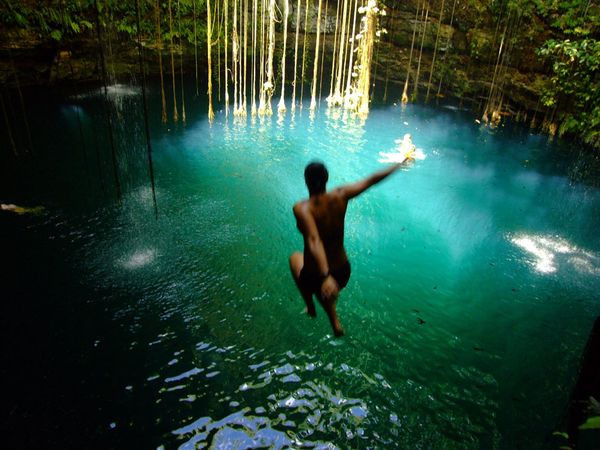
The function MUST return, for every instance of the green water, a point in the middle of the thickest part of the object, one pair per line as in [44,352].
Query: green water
[476,278]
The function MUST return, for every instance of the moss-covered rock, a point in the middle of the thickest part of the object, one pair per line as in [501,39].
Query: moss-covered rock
[480,45]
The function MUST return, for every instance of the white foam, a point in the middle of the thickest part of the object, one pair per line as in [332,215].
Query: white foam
[405,149]
[139,259]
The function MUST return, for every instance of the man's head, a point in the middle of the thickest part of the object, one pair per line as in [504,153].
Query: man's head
[316,176]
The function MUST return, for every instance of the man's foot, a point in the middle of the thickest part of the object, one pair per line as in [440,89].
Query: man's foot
[330,308]
[310,310]
[339,331]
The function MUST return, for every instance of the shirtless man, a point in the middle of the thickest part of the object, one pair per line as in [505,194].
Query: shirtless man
[323,269]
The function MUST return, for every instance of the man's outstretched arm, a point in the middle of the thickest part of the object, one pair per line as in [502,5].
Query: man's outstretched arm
[352,190]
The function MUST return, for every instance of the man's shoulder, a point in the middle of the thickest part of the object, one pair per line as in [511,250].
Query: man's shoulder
[300,206]
[338,194]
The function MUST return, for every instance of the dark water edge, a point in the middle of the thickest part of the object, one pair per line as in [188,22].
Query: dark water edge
[62,382]
[44,353]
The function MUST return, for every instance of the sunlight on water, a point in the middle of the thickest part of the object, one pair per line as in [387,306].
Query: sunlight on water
[545,250]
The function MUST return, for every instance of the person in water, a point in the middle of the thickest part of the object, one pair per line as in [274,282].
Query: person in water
[323,269]
[21,209]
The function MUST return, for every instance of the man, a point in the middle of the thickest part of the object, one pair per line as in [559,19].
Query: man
[323,269]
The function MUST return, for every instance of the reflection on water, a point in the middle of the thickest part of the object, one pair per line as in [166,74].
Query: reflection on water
[296,400]
[547,249]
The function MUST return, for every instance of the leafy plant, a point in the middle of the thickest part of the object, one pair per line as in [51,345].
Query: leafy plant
[575,85]
[54,19]
[572,17]
[593,423]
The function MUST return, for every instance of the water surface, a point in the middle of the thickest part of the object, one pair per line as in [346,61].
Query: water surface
[475,283]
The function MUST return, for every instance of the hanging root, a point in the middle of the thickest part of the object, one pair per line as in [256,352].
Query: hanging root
[405,92]
[211,114]
[357,98]
[313,101]
[281,107]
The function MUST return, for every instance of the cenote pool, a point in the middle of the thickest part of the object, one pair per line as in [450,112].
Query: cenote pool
[476,280]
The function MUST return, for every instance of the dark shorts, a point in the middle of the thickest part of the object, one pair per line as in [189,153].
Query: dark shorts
[313,280]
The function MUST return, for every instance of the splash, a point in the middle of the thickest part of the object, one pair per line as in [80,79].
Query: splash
[405,149]
[139,259]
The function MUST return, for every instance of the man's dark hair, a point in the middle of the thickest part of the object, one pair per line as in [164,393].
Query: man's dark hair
[316,176]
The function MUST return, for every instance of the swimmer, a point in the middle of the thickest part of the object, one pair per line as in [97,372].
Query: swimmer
[21,209]
[405,150]
[323,268]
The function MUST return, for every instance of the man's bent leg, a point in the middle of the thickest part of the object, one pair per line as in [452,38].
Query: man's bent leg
[296,264]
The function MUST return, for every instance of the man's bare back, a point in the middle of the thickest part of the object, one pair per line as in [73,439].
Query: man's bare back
[323,268]
[329,213]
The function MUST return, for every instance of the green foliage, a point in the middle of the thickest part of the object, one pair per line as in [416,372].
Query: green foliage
[524,8]
[60,19]
[480,43]
[575,85]
[572,17]
[53,19]
[593,423]
[561,434]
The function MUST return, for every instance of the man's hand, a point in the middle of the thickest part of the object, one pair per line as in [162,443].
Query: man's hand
[395,157]
[329,289]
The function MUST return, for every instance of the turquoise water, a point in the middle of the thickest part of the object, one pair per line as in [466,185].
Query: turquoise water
[476,278]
